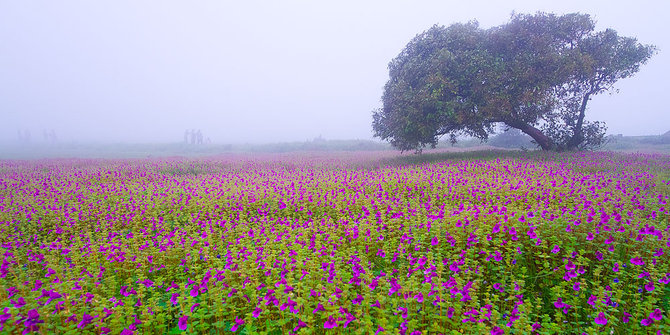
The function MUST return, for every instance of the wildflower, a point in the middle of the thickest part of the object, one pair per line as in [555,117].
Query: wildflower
[301,324]
[649,286]
[555,249]
[592,300]
[330,323]
[497,331]
[319,308]
[257,312]
[657,315]
[646,322]
[637,261]
[175,298]
[238,323]
[576,286]
[193,308]
[85,320]
[600,319]
[20,302]
[625,318]
[616,267]
[183,322]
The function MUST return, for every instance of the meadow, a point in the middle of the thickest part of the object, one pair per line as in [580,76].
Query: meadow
[337,243]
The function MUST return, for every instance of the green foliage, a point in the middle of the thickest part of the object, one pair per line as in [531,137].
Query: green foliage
[535,73]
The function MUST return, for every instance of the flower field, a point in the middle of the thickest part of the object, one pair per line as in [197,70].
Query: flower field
[347,243]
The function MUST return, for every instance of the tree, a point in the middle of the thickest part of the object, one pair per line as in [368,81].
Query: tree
[535,73]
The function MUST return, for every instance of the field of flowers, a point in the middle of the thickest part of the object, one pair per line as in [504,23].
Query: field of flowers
[337,244]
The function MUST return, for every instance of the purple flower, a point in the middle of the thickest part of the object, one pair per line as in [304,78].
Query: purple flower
[319,308]
[194,307]
[376,304]
[12,290]
[238,323]
[175,298]
[183,322]
[649,286]
[600,319]
[625,318]
[555,249]
[637,261]
[257,312]
[657,315]
[195,290]
[646,322]
[616,267]
[576,286]
[300,325]
[404,312]
[20,302]
[379,330]
[85,320]
[497,331]
[330,323]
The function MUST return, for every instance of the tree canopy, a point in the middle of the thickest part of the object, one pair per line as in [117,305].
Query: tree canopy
[535,73]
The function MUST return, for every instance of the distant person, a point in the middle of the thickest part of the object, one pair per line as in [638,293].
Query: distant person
[199,136]
[192,136]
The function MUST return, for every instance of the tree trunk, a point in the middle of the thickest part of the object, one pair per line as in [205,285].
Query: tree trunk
[544,141]
[578,133]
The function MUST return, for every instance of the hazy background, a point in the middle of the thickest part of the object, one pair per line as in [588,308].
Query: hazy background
[258,71]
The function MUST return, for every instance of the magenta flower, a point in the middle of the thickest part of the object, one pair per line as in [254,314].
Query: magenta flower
[649,286]
[194,307]
[637,261]
[330,323]
[646,322]
[576,286]
[555,249]
[257,312]
[195,290]
[497,331]
[175,298]
[536,326]
[625,318]
[300,325]
[85,320]
[600,319]
[616,267]
[657,315]
[238,323]
[183,322]
[319,308]
[592,300]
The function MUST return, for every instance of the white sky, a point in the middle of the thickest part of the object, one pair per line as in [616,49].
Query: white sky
[259,71]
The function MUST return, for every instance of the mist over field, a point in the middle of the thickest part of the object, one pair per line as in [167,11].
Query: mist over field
[253,72]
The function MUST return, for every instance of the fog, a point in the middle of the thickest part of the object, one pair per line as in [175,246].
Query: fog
[257,71]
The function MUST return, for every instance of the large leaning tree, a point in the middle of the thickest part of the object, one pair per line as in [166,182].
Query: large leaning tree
[535,73]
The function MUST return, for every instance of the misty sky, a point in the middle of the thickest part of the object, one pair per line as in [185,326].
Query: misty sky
[259,71]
